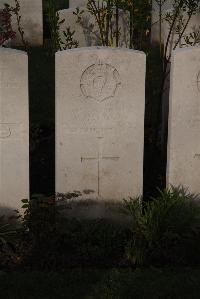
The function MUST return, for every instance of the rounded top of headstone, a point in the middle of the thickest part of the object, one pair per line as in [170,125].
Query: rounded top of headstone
[101,48]
[186,50]
[11,51]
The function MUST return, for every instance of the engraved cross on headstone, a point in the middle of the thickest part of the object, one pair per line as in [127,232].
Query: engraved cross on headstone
[99,158]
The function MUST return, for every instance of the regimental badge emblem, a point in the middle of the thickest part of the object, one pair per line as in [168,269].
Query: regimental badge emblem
[100,82]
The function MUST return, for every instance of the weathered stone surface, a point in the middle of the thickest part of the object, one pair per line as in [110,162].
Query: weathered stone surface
[100,98]
[184,120]
[87,31]
[14,129]
[31,21]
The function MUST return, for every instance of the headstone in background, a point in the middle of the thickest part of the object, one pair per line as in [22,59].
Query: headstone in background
[184,120]
[87,32]
[167,8]
[77,3]
[175,41]
[14,128]
[82,33]
[155,26]
[100,102]
[31,13]
[195,21]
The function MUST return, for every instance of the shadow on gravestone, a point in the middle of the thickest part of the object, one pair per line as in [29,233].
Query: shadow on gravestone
[72,205]
[91,209]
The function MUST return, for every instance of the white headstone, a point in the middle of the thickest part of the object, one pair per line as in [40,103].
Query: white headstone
[184,120]
[87,32]
[100,101]
[14,128]
[31,21]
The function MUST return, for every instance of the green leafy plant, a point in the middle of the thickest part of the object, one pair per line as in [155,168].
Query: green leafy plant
[108,16]
[8,242]
[69,42]
[50,241]
[39,211]
[103,14]
[193,38]
[57,43]
[54,25]
[164,230]
[7,231]
[37,228]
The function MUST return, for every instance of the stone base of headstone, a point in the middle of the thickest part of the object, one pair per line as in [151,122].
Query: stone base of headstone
[93,209]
